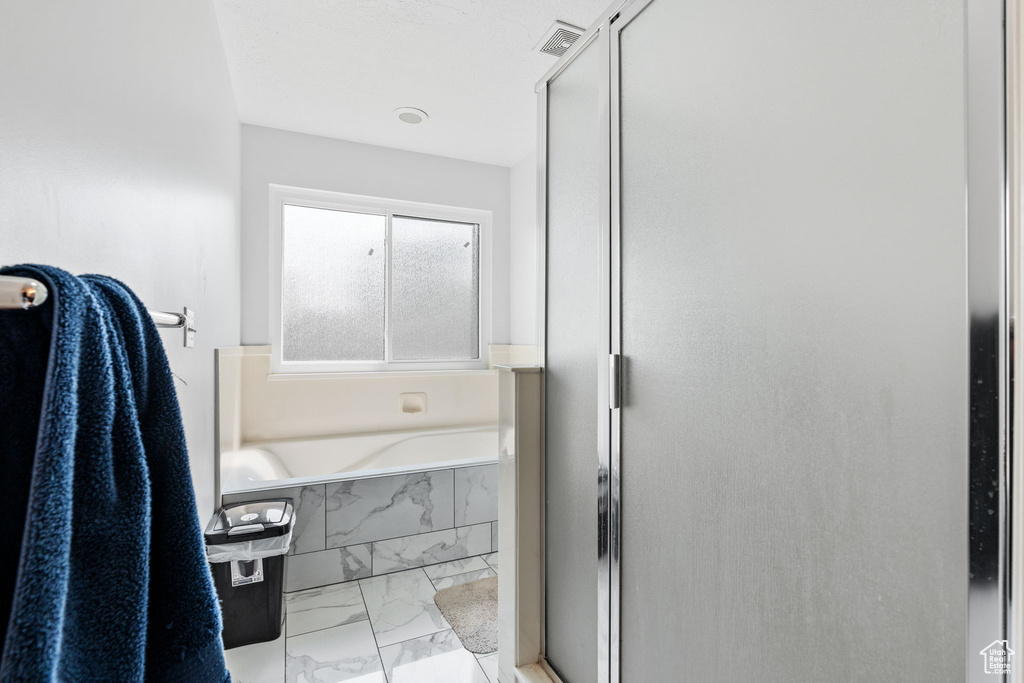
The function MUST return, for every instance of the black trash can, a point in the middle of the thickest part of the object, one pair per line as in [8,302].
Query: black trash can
[246,544]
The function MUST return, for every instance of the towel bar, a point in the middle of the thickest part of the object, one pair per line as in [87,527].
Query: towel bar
[167,319]
[21,292]
[25,293]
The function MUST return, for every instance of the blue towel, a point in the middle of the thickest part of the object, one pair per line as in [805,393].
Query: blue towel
[103,573]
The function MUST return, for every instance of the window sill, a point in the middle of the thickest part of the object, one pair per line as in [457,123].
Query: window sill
[375,374]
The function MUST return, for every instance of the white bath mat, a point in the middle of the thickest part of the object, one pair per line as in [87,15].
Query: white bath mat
[472,610]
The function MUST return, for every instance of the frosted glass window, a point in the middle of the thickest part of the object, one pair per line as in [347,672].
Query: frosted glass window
[368,284]
[332,285]
[435,289]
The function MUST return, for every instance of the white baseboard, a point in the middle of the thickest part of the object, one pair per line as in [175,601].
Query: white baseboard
[543,664]
[537,673]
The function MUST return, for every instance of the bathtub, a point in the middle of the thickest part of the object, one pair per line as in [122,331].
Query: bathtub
[295,462]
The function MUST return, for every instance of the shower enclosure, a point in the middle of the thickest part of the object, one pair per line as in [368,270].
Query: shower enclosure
[775,343]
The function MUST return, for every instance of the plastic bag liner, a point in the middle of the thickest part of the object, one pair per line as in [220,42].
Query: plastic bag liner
[249,550]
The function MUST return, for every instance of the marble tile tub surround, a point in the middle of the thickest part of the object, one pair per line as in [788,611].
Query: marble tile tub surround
[360,510]
[476,495]
[424,549]
[336,565]
[382,508]
[355,529]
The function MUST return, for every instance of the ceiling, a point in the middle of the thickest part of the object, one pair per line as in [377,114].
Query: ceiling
[340,68]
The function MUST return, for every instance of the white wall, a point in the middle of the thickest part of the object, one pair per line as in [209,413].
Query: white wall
[309,161]
[523,252]
[299,408]
[119,154]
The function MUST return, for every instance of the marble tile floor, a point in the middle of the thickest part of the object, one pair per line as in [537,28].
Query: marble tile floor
[383,629]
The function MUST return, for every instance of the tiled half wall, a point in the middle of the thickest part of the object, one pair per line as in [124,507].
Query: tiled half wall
[356,528]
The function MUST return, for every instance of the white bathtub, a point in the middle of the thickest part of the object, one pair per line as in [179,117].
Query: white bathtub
[293,462]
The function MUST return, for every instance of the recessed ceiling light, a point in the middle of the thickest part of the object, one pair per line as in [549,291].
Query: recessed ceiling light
[411,115]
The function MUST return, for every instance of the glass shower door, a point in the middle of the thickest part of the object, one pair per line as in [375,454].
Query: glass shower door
[573,353]
[794,414]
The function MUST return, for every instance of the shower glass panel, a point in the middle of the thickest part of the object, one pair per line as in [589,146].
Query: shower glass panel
[573,353]
[794,333]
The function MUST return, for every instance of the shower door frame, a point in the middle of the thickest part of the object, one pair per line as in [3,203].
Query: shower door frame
[994,56]
[607,466]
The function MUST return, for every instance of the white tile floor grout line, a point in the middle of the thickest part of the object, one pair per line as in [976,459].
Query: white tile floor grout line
[452,576]
[425,635]
[366,608]
[316,630]
[389,538]
[407,569]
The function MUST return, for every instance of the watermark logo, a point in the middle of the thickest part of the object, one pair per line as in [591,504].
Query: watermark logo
[997,657]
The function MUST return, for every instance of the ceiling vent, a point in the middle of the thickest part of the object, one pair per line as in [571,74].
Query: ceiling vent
[559,38]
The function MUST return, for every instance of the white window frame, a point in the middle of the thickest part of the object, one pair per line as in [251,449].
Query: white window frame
[280,195]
